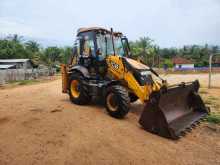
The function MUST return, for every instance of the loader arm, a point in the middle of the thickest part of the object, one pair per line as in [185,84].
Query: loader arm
[142,92]
[119,71]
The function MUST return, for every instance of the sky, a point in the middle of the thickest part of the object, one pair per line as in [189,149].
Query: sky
[170,23]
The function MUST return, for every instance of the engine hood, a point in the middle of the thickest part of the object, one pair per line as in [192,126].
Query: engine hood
[137,65]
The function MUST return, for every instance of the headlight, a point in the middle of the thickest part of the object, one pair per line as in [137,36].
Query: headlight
[145,73]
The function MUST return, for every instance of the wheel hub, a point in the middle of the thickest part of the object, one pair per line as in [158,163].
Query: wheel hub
[112,102]
[75,88]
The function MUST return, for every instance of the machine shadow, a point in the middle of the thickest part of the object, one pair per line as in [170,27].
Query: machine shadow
[137,108]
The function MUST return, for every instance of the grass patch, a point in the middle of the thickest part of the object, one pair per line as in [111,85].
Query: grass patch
[208,102]
[203,92]
[213,118]
[24,82]
[212,98]
[16,83]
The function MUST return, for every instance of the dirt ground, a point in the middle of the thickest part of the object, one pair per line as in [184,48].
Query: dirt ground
[39,125]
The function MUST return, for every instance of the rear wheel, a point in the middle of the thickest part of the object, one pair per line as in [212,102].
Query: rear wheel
[117,101]
[77,91]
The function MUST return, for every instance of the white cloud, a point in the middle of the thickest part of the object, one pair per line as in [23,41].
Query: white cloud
[15,26]
[8,26]
[170,22]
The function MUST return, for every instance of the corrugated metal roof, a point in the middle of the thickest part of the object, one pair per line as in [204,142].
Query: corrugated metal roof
[6,66]
[14,60]
[180,60]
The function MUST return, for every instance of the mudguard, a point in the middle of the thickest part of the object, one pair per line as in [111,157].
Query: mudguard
[83,70]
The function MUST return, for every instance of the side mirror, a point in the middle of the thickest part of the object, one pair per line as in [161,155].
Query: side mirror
[98,52]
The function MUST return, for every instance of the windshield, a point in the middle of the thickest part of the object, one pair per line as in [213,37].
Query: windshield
[104,43]
[119,50]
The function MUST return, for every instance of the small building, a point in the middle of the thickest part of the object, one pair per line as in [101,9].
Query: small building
[2,67]
[16,64]
[182,63]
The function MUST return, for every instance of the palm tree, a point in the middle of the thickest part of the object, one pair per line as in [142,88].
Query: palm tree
[15,38]
[33,46]
[146,49]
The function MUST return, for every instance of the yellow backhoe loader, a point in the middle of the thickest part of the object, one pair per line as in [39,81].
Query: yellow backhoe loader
[102,66]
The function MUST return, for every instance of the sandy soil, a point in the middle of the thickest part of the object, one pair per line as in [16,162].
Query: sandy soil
[39,125]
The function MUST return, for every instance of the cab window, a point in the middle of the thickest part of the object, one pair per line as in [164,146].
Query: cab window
[88,48]
[104,43]
[101,45]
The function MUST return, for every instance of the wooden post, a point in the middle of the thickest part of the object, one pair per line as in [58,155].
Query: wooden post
[210,68]
[159,61]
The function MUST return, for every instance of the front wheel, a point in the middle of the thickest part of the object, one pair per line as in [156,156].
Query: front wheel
[117,101]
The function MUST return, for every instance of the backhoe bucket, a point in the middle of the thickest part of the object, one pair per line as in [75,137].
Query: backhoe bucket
[172,111]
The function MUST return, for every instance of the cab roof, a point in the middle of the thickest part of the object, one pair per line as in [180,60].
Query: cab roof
[96,29]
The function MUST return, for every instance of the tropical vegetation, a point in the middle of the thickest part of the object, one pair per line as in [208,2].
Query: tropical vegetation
[144,49]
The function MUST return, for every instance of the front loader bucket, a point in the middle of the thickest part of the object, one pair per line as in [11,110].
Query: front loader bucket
[172,111]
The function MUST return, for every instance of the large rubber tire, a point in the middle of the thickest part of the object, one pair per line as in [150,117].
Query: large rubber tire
[121,100]
[83,97]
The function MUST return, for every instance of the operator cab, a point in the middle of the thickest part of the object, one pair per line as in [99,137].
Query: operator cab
[93,45]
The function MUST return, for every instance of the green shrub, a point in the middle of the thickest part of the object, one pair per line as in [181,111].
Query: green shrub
[213,118]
